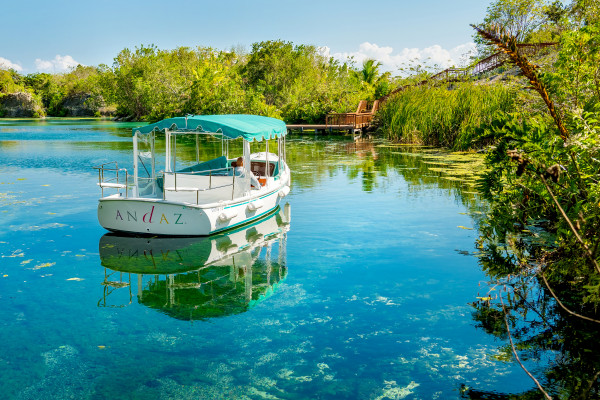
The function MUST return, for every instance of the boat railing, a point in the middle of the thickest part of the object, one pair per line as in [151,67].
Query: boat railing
[114,179]
[218,178]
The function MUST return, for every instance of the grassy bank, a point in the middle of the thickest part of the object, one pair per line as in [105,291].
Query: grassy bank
[441,117]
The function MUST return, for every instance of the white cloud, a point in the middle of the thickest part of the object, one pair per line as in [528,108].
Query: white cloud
[434,56]
[7,64]
[58,64]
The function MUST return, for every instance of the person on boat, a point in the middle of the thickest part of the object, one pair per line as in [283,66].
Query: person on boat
[240,171]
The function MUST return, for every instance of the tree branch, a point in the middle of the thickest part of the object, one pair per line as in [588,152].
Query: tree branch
[514,350]
[588,252]
[562,305]
[591,385]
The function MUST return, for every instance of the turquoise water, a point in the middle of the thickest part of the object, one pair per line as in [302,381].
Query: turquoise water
[362,294]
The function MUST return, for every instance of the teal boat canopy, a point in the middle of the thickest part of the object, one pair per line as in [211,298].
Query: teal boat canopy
[233,126]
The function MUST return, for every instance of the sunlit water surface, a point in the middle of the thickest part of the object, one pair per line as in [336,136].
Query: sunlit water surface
[364,295]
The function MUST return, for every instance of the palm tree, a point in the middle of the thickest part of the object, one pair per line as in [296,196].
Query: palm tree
[369,75]
[370,71]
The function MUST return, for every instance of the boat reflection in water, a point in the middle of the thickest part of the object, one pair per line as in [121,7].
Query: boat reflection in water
[200,277]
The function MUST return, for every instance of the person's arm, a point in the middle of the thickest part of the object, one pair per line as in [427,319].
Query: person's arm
[241,172]
[254,182]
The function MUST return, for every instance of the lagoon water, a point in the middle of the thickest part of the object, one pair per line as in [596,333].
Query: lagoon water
[363,295]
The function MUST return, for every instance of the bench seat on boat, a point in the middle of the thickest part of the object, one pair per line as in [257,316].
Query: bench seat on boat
[217,163]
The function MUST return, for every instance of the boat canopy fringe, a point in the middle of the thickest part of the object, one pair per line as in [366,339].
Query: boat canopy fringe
[233,126]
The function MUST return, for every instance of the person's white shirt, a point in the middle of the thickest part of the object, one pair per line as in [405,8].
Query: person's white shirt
[241,172]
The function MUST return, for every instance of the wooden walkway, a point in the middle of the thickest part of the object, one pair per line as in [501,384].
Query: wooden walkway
[323,128]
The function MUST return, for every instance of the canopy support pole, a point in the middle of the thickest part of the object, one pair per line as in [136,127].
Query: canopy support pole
[284,153]
[246,155]
[267,161]
[135,166]
[279,155]
[167,151]
[174,152]
[152,144]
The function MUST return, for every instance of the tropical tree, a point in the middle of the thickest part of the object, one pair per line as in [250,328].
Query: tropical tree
[217,87]
[369,72]
[10,81]
[299,81]
[149,83]
[584,12]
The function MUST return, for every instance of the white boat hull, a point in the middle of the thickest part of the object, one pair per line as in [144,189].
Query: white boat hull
[162,217]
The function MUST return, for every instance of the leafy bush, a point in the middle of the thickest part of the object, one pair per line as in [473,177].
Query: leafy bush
[543,172]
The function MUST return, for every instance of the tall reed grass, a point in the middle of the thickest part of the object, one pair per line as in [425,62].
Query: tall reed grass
[443,116]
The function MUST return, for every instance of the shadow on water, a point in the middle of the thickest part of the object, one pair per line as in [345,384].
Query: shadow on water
[197,278]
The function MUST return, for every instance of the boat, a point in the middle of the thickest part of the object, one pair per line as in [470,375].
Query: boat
[198,198]
[195,278]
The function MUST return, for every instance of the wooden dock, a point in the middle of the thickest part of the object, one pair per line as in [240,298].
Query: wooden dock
[321,128]
[352,123]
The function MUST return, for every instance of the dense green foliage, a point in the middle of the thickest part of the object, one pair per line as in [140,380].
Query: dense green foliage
[293,82]
[9,82]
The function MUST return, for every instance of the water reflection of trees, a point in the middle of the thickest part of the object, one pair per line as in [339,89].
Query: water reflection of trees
[372,162]
[520,308]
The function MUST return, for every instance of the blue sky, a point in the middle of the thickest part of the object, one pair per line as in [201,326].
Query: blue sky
[51,36]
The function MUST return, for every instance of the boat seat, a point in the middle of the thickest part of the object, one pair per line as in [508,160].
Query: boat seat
[217,163]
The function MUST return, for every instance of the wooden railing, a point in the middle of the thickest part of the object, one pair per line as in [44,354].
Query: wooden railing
[450,74]
[356,120]
[496,60]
